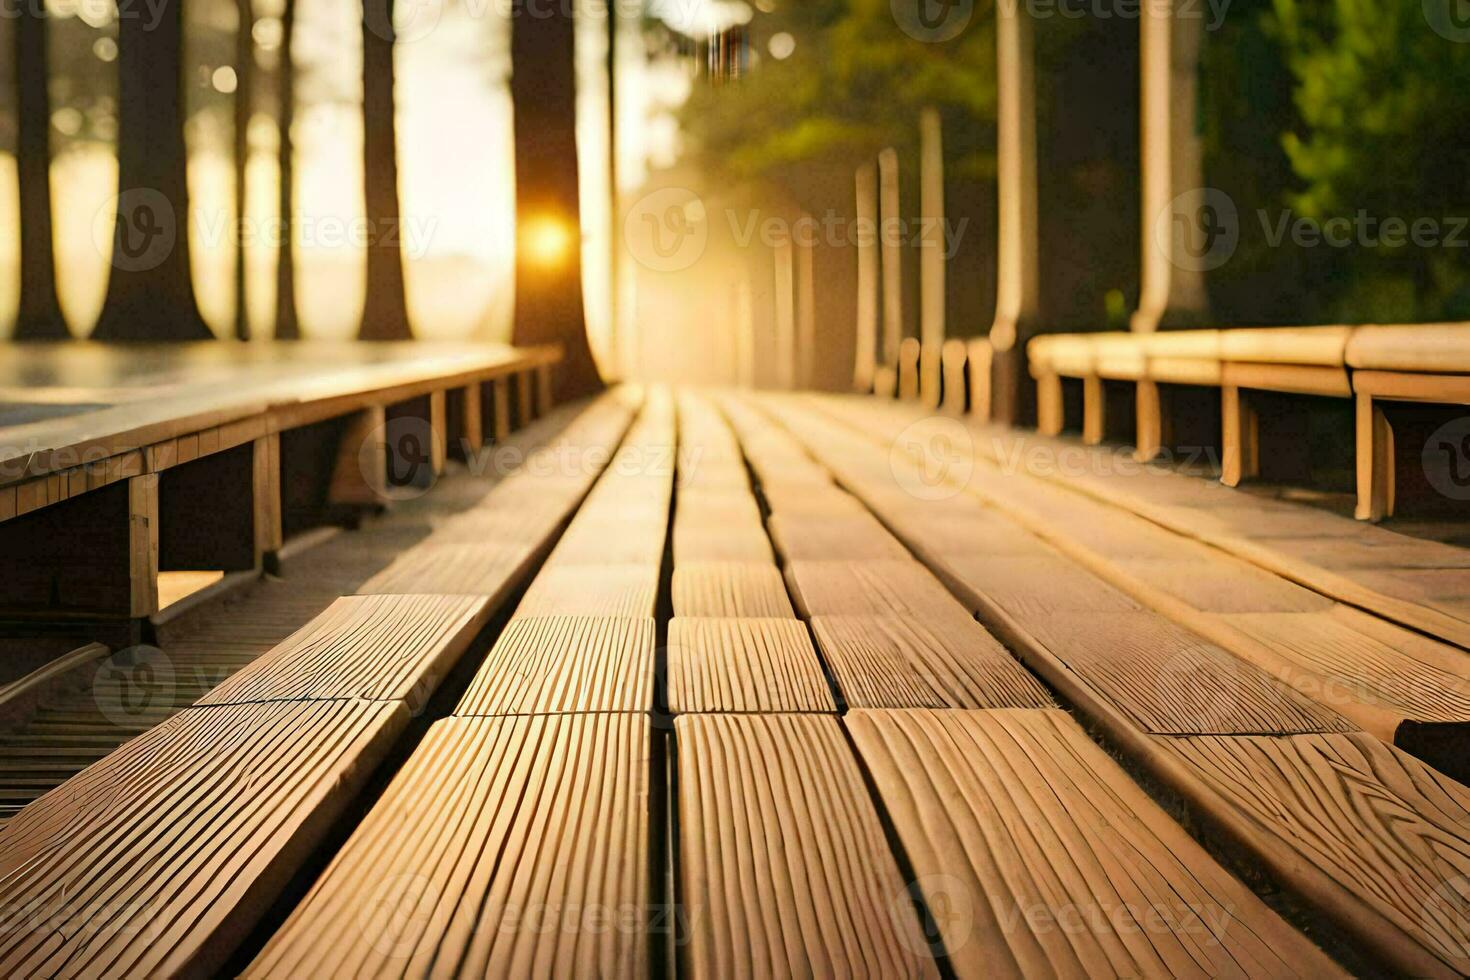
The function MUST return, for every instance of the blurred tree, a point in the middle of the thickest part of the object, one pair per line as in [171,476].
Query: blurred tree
[244,107]
[385,312]
[1381,98]
[39,316]
[288,323]
[543,85]
[150,294]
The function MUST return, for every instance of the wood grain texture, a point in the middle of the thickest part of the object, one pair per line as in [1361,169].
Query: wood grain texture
[503,847]
[1170,681]
[730,589]
[1031,587]
[377,648]
[806,537]
[913,662]
[1375,838]
[1045,859]
[709,507]
[220,805]
[744,665]
[493,571]
[857,588]
[822,499]
[558,665]
[1359,657]
[608,542]
[1219,583]
[782,854]
[723,541]
[592,590]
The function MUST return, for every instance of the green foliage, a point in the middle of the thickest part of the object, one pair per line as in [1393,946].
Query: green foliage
[855,84]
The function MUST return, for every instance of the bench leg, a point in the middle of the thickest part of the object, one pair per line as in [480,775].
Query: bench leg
[1049,412]
[472,425]
[143,544]
[1094,411]
[1375,461]
[543,391]
[1150,420]
[500,406]
[438,430]
[266,493]
[524,399]
[1240,437]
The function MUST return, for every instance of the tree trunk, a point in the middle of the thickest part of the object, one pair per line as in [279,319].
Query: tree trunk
[288,325]
[244,103]
[549,289]
[385,314]
[40,312]
[150,295]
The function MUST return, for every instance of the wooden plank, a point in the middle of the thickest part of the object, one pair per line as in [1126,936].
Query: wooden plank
[985,803]
[373,648]
[489,570]
[1027,587]
[1327,382]
[744,665]
[1426,347]
[1216,583]
[143,544]
[844,588]
[592,590]
[913,662]
[221,806]
[730,589]
[723,542]
[801,537]
[565,664]
[594,539]
[1372,837]
[1169,681]
[503,847]
[782,852]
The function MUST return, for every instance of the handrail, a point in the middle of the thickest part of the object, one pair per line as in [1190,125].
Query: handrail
[50,671]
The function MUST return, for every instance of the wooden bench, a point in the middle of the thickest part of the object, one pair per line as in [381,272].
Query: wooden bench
[744,665]
[983,801]
[730,589]
[562,665]
[504,846]
[1426,364]
[782,853]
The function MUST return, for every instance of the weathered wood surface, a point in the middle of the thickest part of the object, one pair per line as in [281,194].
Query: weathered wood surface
[986,803]
[782,852]
[592,590]
[455,569]
[373,648]
[856,588]
[504,847]
[744,665]
[730,589]
[808,537]
[560,665]
[917,662]
[220,805]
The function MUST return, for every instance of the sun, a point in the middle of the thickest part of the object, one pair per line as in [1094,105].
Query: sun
[546,240]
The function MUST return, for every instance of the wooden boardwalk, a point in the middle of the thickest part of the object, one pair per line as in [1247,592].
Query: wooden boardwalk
[715,684]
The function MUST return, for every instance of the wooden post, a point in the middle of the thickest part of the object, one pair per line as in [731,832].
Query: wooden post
[806,302]
[865,362]
[500,406]
[1017,285]
[266,495]
[1240,445]
[1376,476]
[890,241]
[545,395]
[472,424]
[1172,283]
[953,358]
[785,316]
[1049,408]
[1150,420]
[980,358]
[931,257]
[360,473]
[909,353]
[438,431]
[525,399]
[1094,410]
[143,544]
